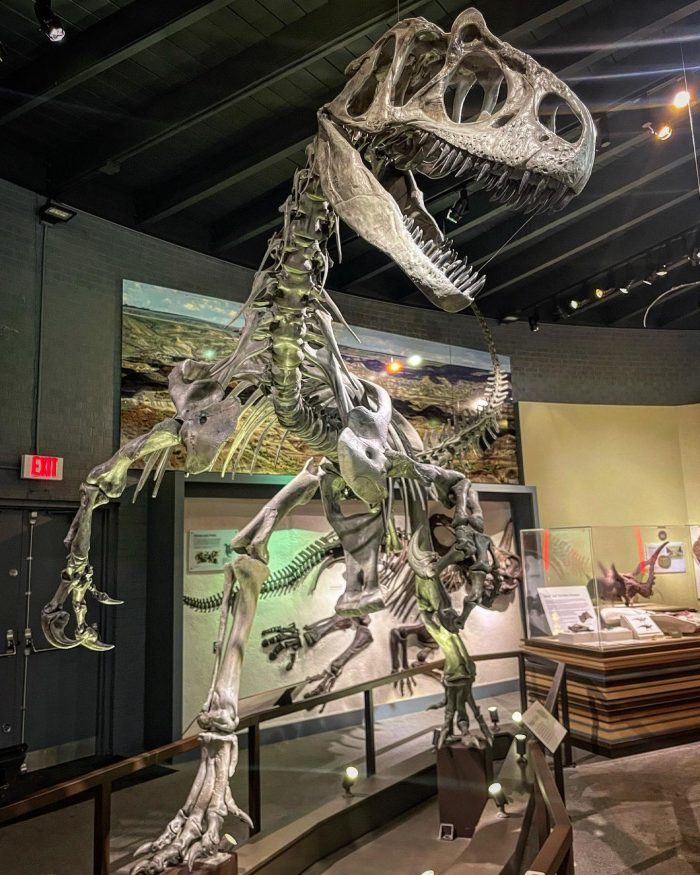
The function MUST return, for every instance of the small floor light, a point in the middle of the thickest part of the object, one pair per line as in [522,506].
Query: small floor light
[493,714]
[498,795]
[517,718]
[349,777]
[521,747]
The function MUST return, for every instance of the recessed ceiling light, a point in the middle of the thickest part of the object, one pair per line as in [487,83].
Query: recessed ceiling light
[681,99]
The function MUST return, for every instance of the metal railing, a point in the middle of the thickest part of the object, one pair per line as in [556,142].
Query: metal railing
[552,822]
[97,785]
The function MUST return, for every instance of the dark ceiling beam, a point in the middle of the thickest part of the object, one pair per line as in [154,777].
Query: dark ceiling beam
[684,304]
[86,54]
[656,214]
[250,220]
[311,37]
[652,194]
[254,151]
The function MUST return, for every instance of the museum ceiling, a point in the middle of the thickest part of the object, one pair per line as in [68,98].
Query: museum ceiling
[186,120]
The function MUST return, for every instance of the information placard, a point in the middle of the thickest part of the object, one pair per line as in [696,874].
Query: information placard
[568,609]
[544,726]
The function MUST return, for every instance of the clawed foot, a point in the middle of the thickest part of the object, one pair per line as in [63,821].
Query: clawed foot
[326,683]
[54,619]
[194,833]
[405,686]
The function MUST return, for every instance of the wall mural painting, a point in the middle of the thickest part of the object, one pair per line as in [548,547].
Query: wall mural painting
[430,383]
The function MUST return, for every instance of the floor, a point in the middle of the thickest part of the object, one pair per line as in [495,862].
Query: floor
[635,815]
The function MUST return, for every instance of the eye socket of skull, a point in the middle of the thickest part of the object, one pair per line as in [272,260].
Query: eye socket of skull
[422,63]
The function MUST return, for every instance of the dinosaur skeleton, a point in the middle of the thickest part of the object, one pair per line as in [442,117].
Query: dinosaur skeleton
[405,110]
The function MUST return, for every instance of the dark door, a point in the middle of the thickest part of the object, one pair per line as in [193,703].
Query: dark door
[48,698]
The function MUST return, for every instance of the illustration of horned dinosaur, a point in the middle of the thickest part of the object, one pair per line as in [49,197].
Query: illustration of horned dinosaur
[404,110]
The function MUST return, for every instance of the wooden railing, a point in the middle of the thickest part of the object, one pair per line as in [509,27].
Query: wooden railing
[97,785]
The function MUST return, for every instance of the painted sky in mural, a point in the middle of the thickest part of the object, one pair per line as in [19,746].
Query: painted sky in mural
[162,326]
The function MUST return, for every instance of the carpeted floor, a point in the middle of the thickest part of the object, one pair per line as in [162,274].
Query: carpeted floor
[637,814]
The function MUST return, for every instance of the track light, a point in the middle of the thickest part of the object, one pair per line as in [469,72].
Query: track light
[350,775]
[55,214]
[681,99]
[599,294]
[624,289]
[393,367]
[508,318]
[3,53]
[661,271]
[414,361]
[695,257]
[534,321]
[574,304]
[459,209]
[648,282]
[664,132]
[49,23]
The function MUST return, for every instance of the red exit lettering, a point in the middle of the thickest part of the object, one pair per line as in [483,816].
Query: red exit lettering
[42,467]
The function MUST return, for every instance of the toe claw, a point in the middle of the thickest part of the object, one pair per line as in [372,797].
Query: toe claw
[145,848]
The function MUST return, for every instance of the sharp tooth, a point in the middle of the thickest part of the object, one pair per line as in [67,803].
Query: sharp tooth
[524,181]
[436,145]
[541,185]
[483,171]
[468,161]
[409,222]
[429,246]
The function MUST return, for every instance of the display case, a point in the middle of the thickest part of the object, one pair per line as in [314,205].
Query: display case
[608,587]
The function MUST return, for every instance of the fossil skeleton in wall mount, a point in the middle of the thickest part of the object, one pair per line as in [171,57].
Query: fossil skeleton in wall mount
[405,111]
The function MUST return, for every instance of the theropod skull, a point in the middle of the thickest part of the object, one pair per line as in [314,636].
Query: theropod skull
[425,101]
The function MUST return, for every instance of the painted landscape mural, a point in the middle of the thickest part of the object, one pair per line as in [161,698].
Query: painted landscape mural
[432,382]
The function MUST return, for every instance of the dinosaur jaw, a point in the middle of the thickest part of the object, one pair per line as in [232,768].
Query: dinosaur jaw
[384,206]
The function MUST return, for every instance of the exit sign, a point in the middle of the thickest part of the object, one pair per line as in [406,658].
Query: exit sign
[42,467]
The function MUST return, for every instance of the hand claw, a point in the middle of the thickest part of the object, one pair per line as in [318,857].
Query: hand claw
[105,598]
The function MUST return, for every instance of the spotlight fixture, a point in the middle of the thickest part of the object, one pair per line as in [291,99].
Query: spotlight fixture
[55,214]
[414,361]
[681,99]
[493,714]
[49,22]
[574,304]
[661,271]
[498,795]
[459,208]
[534,321]
[695,257]
[508,318]
[521,747]
[349,777]
[394,366]
[517,718]
[599,293]
[624,290]
[648,282]
[664,132]
[3,53]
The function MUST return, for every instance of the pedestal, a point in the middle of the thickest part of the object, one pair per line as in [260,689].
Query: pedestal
[502,741]
[463,777]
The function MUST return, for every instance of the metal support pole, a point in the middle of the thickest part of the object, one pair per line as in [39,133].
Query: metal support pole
[523,682]
[101,829]
[254,785]
[559,773]
[370,750]
[568,756]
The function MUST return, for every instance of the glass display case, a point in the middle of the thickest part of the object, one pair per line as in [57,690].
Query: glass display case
[611,586]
